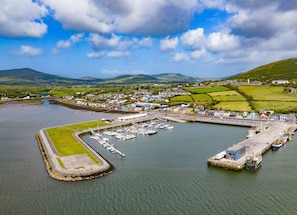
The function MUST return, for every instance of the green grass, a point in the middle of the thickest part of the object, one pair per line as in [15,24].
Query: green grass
[181,99]
[234,106]
[200,98]
[61,163]
[277,106]
[279,70]
[66,144]
[206,89]
[268,93]
[227,96]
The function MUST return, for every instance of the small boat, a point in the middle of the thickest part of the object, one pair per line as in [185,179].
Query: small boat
[167,127]
[253,162]
[220,155]
[251,133]
[277,144]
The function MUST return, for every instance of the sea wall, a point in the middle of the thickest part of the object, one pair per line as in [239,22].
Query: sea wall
[57,172]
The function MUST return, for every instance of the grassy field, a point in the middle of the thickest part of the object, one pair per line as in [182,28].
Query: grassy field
[195,90]
[180,99]
[227,96]
[234,106]
[68,144]
[267,93]
[201,98]
[277,106]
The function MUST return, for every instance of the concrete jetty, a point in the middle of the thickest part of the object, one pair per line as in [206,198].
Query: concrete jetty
[76,167]
[256,145]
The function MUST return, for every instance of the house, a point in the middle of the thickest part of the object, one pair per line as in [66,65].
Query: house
[292,90]
[280,81]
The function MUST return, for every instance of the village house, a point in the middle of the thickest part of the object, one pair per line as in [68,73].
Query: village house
[280,82]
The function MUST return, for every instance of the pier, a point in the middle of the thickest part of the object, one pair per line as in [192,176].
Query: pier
[105,143]
[256,145]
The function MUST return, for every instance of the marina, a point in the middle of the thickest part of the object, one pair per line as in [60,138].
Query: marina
[248,153]
[127,132]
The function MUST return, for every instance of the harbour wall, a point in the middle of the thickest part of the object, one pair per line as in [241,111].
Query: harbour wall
[57,172]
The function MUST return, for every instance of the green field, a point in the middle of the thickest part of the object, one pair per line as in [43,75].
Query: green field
[227,96]
[267,93]
[234,106]
[277,106]
[201,98]
[66,144]
[206,89]
[181,99]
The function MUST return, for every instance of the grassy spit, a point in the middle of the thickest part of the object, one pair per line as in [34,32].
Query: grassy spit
[66,144]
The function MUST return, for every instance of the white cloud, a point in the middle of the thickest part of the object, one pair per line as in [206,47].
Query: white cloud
[145,17]
[118,54]
[181,56]
[219,42]
[96,54]
[118,45]
[27,51]
[145,42]
[197,53]
[82,15]
[194,39]
[168,44]
[22,18]
[99,42]
[64,44]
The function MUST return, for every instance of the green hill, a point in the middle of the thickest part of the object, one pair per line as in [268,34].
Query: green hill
[174,77]
[279,70]
[27,76]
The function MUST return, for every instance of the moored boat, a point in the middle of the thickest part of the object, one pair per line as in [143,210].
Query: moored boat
[253,162]
[277,144]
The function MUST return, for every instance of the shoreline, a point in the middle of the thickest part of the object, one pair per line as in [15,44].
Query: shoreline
[85,107]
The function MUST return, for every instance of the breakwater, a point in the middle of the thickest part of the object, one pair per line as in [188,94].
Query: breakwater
[78,169]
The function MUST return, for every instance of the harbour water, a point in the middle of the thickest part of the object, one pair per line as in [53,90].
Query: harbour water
[166,173]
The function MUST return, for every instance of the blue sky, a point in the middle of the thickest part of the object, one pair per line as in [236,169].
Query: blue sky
[107,38]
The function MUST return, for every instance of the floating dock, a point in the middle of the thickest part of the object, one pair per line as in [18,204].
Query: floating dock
[106,144]
[235,156]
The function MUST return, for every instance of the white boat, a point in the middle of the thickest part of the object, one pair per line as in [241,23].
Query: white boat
[251,133]
[167,127]
[277,144]
[220,155]
[150,132]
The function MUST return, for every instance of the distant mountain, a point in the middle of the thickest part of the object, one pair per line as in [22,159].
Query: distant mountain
[132,79]
[27,76]
[169,78]
[174,77]
[279,70]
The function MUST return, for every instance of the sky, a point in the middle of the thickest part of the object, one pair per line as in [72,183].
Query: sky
[108,38]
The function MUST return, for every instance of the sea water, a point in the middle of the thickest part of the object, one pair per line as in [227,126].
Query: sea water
[166,173]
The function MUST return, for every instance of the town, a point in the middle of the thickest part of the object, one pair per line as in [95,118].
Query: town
[204,98]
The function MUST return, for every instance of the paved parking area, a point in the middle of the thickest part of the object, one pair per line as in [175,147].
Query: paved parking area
[77,161]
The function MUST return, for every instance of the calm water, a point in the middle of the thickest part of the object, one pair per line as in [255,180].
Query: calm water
[165,173]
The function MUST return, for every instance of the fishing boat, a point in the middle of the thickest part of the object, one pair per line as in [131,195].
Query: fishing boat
[253,162]
[277,144]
